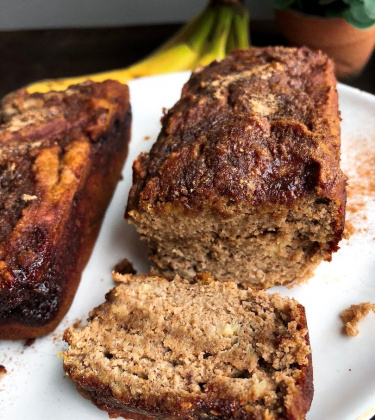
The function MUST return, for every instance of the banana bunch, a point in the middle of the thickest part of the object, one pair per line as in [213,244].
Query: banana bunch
[221,28]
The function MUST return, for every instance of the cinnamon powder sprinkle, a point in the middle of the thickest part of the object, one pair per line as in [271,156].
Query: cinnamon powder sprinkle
[361,184]
[353,315]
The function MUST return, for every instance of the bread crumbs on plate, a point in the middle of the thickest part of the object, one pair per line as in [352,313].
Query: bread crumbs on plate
[351,316]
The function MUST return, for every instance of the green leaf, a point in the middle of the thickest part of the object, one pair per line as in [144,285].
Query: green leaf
[369,6]
[281,4]
[357,9]
[349,17]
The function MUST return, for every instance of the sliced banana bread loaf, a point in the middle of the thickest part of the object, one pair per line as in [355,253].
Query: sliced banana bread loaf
[61,157]
[203,350]
[244,179]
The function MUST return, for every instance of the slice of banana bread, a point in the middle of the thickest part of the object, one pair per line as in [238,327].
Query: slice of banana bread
[203,350]
[244,179]
[61,157]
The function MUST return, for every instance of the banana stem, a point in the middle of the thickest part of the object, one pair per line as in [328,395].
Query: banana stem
[199,38]
[241,29]
[185,32]
[231,42]
[216,47]
[221,32]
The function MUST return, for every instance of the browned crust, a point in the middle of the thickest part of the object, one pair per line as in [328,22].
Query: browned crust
[68,244]
[302,402]
[266,138]
[102,397]
[216,405]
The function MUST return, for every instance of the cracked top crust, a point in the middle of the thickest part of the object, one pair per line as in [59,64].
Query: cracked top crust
[259,128]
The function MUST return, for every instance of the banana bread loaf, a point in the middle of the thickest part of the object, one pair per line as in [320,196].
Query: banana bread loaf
[61,157]
[244,179]
[204,350]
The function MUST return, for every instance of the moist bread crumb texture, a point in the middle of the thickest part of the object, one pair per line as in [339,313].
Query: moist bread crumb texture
[61,157]
[244,180]
[159,349]
[352,315]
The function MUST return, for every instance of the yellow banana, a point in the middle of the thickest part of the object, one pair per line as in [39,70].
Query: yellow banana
[182,56]
[220,28]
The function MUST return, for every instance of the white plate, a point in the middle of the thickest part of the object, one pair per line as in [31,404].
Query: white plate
[344,367]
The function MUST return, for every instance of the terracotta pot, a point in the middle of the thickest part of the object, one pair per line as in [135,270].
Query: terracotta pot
[349,47]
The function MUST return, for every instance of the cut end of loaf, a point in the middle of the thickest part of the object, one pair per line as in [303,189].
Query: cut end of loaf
[257,247]
[197,350]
